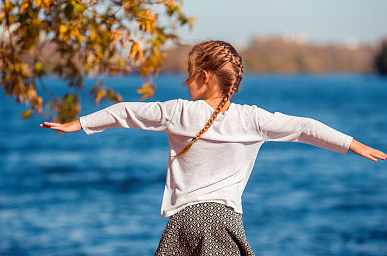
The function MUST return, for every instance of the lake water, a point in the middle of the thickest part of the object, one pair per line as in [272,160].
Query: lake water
[101,195]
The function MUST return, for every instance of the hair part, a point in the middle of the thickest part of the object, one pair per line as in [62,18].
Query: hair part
[222,60]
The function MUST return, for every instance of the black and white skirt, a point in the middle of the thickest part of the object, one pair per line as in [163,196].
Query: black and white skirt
[204,229]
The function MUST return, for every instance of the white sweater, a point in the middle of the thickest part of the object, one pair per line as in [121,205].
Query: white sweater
[218,166]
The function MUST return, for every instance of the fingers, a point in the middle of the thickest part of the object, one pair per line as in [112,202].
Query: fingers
[66,127]
[379,155]
[50,125]
[371,158]
[46,125]
[374,155]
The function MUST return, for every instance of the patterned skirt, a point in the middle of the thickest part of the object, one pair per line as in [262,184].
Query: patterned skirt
[204,229]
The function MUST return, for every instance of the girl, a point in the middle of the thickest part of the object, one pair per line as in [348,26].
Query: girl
[213,144]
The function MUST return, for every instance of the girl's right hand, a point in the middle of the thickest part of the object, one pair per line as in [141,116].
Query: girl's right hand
[67,127]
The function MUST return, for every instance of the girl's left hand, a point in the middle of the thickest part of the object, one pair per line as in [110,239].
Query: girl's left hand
[367,152]
[67,127]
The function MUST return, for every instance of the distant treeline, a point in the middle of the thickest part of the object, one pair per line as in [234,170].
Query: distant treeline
[265,55]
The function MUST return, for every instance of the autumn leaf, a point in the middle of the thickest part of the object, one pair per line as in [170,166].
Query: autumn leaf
[115,35]
[122,41]
[93,32]
[26,114]
[134,49]
[23,6]
[99,96]
[147,90]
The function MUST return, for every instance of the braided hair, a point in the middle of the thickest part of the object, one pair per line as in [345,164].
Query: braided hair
[214,56]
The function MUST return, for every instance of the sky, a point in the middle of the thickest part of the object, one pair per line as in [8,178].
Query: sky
[316,21]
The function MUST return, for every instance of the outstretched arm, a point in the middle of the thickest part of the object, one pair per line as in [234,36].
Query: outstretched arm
[280,127]
[367,152]
[67,127]
[154,116]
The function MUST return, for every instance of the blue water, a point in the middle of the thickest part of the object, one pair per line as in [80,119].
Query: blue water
[101,195]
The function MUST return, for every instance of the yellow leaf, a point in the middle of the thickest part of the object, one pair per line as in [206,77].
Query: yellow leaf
[31,93]
[139,55]
[39,108]
[148,12]
[146,91]
[116,36]
[126,5]
[93,32]
[134,49]
[143,89]
[147,27]
[62,30]
[118,97]
[121,63]
[39,100]
[26,114]
[93,90]
[25,68]
[122,41]
[23,6]
[38,3]
[110,94]
[38,66]
[99,96]
[47,3]
[191,21]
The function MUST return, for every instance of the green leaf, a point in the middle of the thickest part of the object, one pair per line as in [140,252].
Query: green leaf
[78,8]
[68,99]
[38,68]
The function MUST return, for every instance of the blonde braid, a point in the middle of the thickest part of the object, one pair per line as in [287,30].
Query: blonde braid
[236,60]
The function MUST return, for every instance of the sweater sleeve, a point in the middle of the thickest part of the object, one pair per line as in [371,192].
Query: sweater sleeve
[154,116]
[285,128]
